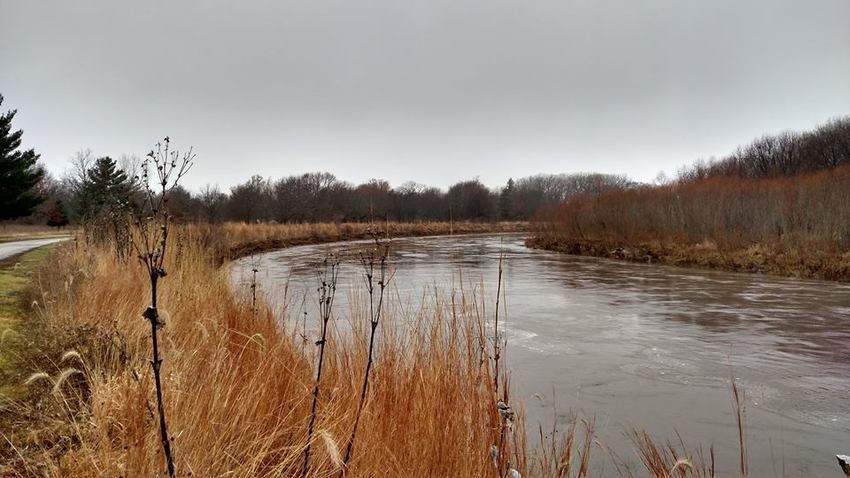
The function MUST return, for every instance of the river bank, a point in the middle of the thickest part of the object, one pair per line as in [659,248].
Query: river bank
[234,240]
[799,261]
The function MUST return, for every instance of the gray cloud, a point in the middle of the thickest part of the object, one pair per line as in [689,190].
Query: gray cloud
[431,91]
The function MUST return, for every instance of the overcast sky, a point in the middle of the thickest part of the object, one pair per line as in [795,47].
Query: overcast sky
[432,91]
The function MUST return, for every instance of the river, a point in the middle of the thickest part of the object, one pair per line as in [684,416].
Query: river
[637,345]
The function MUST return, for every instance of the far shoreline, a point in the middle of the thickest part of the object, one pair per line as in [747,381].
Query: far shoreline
[768,259]
[231,241]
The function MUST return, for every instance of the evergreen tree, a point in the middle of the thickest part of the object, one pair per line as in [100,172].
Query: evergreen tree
[19,173]
[105,188]
[506,201]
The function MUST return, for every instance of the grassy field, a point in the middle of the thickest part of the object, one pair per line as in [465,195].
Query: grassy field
[238,385]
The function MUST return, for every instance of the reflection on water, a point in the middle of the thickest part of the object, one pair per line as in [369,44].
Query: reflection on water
[641,345]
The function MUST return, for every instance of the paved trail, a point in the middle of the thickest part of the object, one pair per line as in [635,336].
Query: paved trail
[8,249]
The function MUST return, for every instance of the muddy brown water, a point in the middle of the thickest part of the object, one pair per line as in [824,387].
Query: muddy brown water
[635,345]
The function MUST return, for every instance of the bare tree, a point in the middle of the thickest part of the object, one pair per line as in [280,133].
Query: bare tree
[212,203]
[249,201]
[78,171]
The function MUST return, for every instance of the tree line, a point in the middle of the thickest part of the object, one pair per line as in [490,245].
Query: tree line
[786,154]
[322,197]
[771,187]
[100,190]
[792,188]
[97,187]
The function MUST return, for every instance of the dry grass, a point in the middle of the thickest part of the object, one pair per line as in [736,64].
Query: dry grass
[672,461]
[238,384]
[805,260]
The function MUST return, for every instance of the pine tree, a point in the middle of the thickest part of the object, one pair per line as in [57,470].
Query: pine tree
[19,173]
[105,188]
[506,201]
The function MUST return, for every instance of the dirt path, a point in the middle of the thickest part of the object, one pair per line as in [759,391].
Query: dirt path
[12,248]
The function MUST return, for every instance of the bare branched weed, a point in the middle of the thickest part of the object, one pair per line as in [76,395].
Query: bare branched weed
[328,274]
[377,275]
[161,172]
